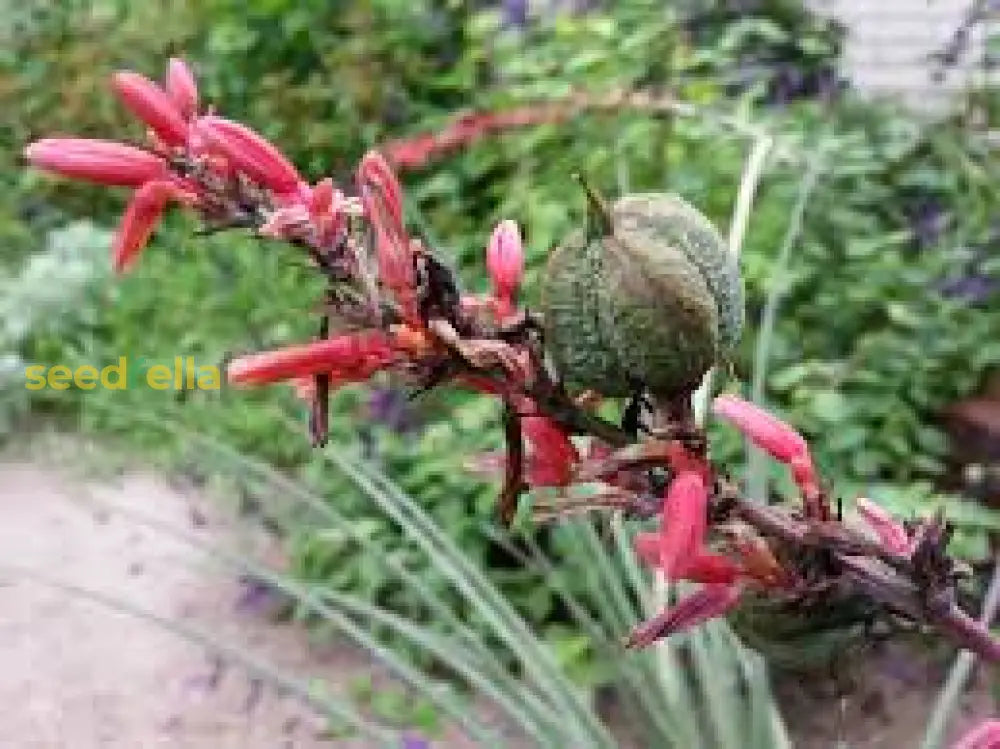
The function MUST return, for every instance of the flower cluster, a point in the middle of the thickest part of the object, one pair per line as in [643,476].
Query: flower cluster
[392,304]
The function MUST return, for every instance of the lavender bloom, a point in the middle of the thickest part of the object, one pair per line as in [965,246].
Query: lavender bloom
[389,406]
[414,741]
[515,12]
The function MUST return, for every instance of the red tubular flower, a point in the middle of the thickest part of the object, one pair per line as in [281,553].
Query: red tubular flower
[354,356]
[249,152]
[891,533]
[396,264]
[764,430]
[984,736]
[682,530]
[102,161]
[374,171]
[708,602]
[182,88]
[505,262]
[553,455]
[141,216]
[152,105]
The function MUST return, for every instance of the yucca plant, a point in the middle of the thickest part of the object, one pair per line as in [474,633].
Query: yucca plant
[391,304]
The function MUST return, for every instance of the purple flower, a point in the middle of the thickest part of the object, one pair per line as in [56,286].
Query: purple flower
[390,407]
[413,741]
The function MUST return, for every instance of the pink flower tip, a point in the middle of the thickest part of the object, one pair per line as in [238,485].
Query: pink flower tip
[101,161]
[249,152]
[505,259]
[984,736]
[182,88]
[151,104]
[766,431]
[708,602]
[890,532]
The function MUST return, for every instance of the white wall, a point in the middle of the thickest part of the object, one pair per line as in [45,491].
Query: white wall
[889,42]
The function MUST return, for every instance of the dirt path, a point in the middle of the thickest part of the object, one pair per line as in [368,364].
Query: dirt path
[77,675]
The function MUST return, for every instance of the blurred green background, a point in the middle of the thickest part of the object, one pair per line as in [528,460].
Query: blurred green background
[884,305]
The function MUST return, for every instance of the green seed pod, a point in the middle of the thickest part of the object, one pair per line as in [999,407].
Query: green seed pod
[647,296]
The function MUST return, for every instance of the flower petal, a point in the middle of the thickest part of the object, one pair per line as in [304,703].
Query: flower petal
[150,103]
[356,355]
[553,455]
[249,152]
[102,161]
[764,430]
[706,603]
[142,214]
[182,88]
[711,569]
[683,526]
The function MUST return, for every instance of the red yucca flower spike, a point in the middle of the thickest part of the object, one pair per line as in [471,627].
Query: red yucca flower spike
[249,152]
[708,602]
[102,161]
[355,356]
[152,105]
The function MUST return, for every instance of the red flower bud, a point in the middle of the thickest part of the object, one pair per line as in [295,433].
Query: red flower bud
[505,260]
[706,603]
[249,152]
[150,103]
[375,173]
[683,527]
[101,161]
[141,216]
[764,430]
[891,533]
[182,88]
[352,356]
